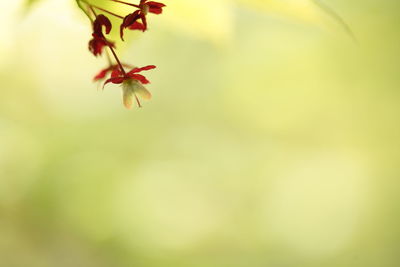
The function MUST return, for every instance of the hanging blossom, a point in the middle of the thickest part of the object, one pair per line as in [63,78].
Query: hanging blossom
[131,21]
[132,82]
[97,44]
[101,75]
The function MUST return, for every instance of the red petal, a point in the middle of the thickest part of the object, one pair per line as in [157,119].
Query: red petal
[100,21]
[155,7]
[116,73]
[101,74]
[155,4]
[137,26]
[135,70]
[128,21]
[115,80]
[148,67]
[97,44]
[139,77]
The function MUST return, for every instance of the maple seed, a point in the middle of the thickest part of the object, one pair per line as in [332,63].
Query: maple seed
[132,84]
[131,89]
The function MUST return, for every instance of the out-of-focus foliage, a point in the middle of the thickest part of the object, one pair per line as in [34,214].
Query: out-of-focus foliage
[275,145]
[28,4]
[214,19]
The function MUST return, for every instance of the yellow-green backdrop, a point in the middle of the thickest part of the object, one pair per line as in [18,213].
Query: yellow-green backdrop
[272,139]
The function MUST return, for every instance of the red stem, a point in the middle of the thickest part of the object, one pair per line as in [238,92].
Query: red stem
[102,9]
[137,101]
[117,59]
[125,3]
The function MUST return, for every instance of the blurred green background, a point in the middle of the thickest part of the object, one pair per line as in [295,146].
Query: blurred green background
[272,139]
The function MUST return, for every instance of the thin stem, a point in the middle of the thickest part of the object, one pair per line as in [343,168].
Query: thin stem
[137,101]
[117,59]
[102,9]
[125,3]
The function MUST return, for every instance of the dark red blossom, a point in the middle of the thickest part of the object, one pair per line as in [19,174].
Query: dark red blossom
[97,44]
[131,21]
[99,41]
[117,76]
[104,72]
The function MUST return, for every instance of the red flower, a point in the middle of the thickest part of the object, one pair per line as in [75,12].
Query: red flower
[98,42]
[131,20]
[98,24]
[104,72]
[132,84]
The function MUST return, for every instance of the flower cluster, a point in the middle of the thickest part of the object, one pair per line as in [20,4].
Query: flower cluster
[132,82]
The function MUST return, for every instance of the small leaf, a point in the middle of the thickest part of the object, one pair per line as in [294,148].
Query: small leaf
[142,91]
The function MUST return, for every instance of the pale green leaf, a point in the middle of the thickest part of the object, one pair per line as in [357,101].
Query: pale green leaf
[311,11]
